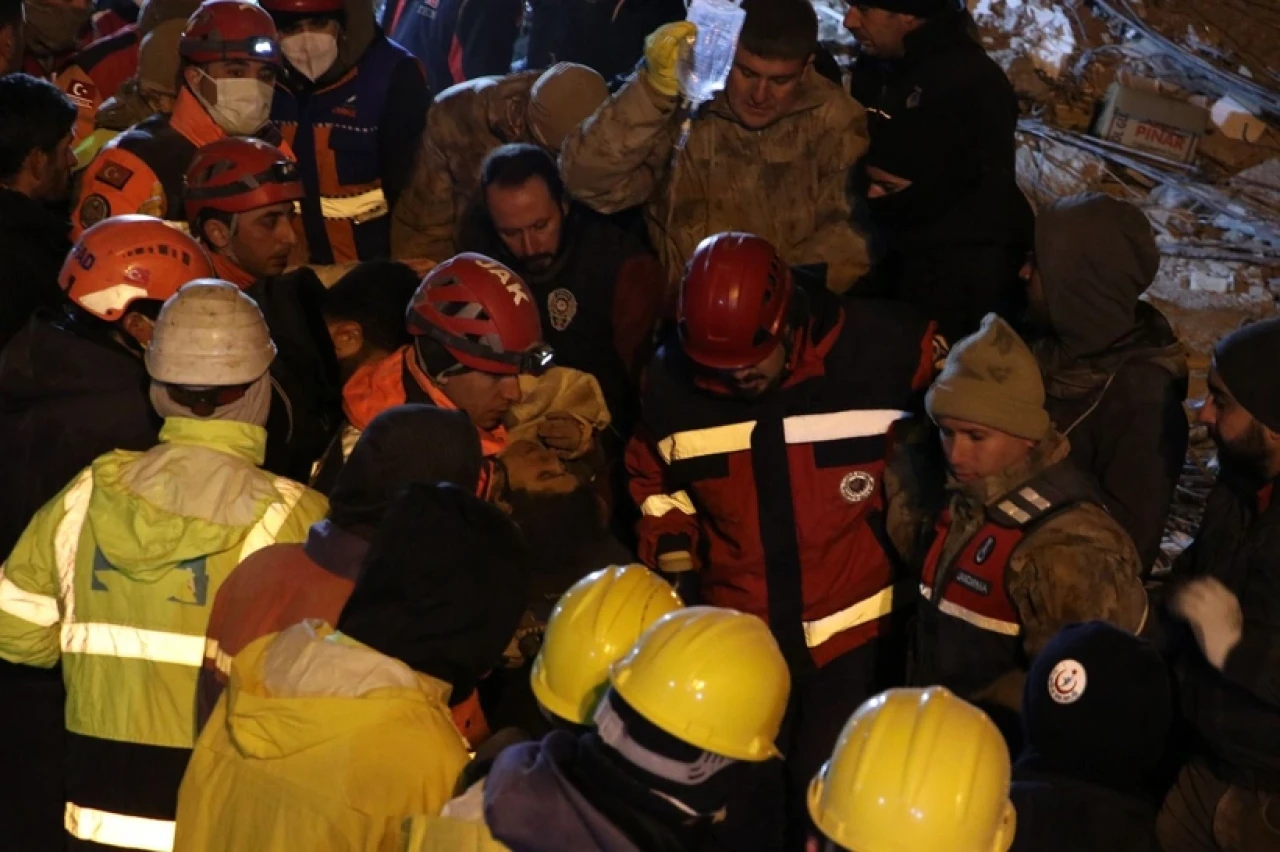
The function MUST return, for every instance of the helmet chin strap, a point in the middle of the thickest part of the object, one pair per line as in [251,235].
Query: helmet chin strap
[613,731]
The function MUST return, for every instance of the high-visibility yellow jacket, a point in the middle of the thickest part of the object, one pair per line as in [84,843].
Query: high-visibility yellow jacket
[116,577]
[448,834]
[319,743]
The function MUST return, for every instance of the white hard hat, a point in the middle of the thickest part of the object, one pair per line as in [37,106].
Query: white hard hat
[209,334]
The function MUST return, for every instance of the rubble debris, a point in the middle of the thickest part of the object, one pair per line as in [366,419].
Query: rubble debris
[1149,122]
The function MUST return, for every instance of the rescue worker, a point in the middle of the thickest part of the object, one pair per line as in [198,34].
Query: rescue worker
[106,67]
[239,198]
[364,313]
[456,40]
[468,121]
[281,585]
[1115,374]
[115,575]
[593,625]
[599,292]
[1097,711]
[689,710]
[757,469]
[74,388]
[1015,543]
[36,134]
[12,40]
[55,30]
[940,174]
[916,769]
[351,103]
[608,37]
[229,58]
[770,155]
[329,739]
[1228,794]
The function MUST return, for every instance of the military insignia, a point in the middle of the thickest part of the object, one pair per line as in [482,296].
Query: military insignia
[913,100]
[984,550]
[857,486]
[114,175]
[93,210]
[1067,682]
[562,305]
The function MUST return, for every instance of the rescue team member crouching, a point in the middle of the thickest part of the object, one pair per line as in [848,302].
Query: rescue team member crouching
[915,770]
[758,465]
[688,711]
[1015,545]
[229,58]
[352,104]
[240,197]
[115,576]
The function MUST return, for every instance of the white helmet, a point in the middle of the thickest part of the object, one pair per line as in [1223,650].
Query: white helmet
[209,334]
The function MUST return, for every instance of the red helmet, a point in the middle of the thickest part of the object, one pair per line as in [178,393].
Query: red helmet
[237,174]
[483,313]
[733,301]
[126,258]
[304,7]
[230,29]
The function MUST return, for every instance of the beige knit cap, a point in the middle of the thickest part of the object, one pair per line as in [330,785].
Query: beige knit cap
[562,98]
[991,378]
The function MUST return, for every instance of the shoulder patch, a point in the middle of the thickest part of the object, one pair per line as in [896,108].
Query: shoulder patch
[114,175]
[93,210]
[83,94]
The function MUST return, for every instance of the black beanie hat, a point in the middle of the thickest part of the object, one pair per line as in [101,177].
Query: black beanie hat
[1245,361]
[1098,706]
[443,587]
[408,443]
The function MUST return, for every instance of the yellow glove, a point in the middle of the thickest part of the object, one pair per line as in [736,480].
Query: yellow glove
[662,52]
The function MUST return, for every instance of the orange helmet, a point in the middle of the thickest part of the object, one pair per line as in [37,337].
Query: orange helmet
[127,258]
[237,174]
[230,29]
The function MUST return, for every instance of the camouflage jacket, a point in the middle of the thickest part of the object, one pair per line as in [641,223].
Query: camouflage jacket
[787,183]
[1076,565]
[465,123]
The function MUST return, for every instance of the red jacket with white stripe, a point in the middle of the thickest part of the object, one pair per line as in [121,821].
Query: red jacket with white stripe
[779,499]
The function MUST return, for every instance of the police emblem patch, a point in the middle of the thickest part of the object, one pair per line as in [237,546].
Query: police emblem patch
[562,305]
[984,550]
[1067,682]
[857,486]
[93,210]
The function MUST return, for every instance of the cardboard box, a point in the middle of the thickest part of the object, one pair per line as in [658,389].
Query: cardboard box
[1149,122]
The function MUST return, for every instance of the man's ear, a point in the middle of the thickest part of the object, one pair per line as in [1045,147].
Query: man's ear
[217,234]
[347,337]
[139,327]
[191,74]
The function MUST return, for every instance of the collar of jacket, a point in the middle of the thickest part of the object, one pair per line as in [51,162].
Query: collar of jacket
[21,212]
[192,121]
[936,35]
[229,271]
[1052,449]
[1152,340]
[242,440]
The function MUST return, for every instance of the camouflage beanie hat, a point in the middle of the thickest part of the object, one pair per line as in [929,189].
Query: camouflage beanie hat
[562,98]
[991,378]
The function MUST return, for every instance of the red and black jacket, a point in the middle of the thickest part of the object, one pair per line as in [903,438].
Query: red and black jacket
[779,499]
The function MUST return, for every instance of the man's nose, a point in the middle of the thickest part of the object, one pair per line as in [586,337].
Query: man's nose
[509,388]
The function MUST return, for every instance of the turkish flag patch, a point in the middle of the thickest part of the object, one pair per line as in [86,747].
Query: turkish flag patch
[114,175]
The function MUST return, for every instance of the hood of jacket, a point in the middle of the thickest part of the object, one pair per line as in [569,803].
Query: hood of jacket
[1095,256]
[197,493]
[309,685]
[48,359]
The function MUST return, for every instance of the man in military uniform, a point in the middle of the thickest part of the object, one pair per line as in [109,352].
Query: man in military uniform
[1014,544]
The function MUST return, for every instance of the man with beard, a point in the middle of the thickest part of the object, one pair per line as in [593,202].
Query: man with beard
[598,290]
[1228,592]
[757,468]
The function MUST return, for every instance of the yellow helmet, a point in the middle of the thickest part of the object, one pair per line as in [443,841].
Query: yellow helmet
[711,677]
[916,769]
[592,626]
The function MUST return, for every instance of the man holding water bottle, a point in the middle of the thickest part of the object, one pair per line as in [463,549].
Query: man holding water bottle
[770,155]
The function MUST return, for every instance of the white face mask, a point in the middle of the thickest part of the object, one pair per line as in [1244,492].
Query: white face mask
[311,53]
[244,104]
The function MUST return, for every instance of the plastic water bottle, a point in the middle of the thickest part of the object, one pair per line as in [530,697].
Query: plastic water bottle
[704,66]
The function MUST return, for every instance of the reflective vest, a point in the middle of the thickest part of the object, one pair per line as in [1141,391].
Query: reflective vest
[968,630]
[334,131]
[130,634]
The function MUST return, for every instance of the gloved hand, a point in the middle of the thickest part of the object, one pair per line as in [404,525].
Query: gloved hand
[565,434]
[1213,612]
[662,52]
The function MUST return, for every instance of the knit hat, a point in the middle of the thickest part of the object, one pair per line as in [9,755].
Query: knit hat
[443,587]
[158,57]
[1097,705]
[404,444]
[1244,362]
[991,378]
[562,98]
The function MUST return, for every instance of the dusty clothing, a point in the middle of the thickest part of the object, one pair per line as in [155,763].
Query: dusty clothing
[787,183]
[985,614]
[1203,812]
[465,123]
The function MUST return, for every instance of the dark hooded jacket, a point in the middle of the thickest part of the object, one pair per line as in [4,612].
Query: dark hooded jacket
[33,243]
[1115,374]
[283,584]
